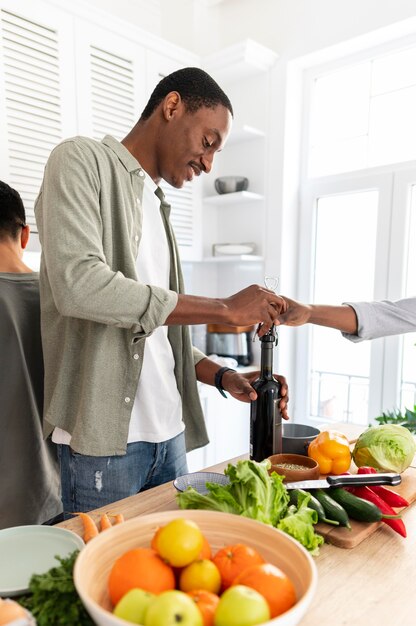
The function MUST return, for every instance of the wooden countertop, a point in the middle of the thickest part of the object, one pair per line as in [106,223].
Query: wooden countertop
[369,585]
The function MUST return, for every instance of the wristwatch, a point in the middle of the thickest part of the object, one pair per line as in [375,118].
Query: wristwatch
[218,379]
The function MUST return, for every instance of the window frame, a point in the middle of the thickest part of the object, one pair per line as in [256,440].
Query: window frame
[394,182]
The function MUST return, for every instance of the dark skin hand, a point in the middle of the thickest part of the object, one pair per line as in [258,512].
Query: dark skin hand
[253,305]
[238,385]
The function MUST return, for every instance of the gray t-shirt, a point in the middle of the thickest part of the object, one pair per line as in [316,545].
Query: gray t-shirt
[29,491]
[384,318]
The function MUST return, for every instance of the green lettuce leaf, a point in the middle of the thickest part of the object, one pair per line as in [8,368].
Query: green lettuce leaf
[298,522]
[261,496]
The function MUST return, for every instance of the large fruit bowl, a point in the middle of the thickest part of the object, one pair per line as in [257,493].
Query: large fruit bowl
[94,562]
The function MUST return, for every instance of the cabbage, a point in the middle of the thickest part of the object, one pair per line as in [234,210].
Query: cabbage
[388,447]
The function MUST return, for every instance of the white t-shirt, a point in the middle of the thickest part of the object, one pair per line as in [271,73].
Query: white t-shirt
[157,410]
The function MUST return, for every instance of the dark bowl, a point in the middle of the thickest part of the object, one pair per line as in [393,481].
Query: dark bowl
[297,437]
[231,184]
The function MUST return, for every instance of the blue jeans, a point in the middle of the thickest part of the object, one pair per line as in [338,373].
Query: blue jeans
[90,482]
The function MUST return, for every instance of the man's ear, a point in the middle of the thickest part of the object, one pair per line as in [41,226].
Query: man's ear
[24,236]
[171,105]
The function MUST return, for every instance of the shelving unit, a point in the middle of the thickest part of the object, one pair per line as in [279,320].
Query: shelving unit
[245,133]
[233,258]
[236,197]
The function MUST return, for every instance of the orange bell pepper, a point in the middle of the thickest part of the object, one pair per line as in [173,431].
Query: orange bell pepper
[331,451]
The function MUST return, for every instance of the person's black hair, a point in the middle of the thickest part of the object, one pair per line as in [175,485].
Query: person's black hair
[196,88]
[12,212]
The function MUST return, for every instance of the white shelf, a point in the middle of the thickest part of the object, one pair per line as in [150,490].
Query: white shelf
[238,197]
[244,133]
[239,61]
[233,258]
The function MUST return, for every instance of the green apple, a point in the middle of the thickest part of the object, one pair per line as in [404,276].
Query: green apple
[173,608]
[133,605]
[241,606]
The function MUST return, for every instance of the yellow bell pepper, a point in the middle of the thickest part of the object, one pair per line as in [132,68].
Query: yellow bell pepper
[331,451]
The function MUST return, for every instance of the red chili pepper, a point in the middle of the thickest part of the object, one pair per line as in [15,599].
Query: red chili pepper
[390,497]
[365,493]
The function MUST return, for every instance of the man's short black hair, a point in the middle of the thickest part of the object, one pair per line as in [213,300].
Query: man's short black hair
[12,212]
[196,88]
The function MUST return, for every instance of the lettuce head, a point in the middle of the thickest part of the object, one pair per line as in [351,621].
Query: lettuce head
[389,447]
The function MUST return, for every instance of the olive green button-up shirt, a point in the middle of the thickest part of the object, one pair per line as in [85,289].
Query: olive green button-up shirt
[95,312]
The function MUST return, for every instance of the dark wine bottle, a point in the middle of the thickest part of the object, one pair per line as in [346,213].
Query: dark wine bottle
[265,416]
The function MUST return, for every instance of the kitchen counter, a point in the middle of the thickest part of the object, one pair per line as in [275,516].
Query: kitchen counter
[369,585]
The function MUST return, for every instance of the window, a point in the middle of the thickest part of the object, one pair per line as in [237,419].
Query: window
[363,114]
[358,228]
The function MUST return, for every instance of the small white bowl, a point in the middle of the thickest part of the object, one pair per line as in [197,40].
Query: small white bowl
[94,562]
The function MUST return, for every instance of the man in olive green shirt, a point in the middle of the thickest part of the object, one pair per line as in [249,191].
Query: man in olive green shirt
[96,215]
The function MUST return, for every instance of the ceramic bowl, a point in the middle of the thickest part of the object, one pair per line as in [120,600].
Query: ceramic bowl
[94,562]
[231,184]
[294,467]
[297,437]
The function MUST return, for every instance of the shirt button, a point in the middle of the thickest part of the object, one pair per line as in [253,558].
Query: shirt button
[136,237]
[138,200]
[126,399]
[141,173]
[135,357]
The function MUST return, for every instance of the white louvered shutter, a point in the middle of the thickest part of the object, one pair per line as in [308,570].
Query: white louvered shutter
[112,94]
[30,59]
[185,202]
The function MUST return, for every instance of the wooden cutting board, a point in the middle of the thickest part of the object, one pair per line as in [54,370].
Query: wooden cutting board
[344,538]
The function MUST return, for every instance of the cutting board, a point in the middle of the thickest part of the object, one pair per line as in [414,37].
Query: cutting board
[344,538]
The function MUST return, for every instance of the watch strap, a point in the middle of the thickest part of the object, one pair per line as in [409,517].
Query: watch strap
[218,379]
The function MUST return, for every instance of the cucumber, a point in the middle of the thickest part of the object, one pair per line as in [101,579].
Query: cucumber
[332,509]
[357,508]
[312,504]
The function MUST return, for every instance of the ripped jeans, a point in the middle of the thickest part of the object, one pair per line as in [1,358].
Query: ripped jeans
[90,482]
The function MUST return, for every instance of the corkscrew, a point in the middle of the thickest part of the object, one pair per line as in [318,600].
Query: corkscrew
[270,282]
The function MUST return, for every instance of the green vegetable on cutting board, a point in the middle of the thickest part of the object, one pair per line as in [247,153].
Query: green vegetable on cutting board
[312,504]
[388,447]
[357,508]
[53,599]
[332,509]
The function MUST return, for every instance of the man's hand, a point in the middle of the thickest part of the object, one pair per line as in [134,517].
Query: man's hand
[254,305]
[251,306]
[239,387]
[294,313]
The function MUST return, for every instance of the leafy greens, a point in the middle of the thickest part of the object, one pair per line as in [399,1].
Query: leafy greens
[254,493]
[53,599]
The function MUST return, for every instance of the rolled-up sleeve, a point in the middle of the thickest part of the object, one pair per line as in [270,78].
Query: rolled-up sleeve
[71,229]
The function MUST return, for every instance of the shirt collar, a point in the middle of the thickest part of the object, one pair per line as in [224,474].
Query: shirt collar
[125,156]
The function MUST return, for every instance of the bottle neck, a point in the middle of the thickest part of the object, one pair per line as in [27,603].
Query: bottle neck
[266,361]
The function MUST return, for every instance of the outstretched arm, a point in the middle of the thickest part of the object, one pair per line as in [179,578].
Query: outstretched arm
[342,317]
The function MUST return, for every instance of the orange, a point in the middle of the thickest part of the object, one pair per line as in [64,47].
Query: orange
[141,568]
[206,549]
[207,603]
[232,560]
[273,585]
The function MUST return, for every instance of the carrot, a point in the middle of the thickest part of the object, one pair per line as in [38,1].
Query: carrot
[118,518]
[90,528]
[105,522]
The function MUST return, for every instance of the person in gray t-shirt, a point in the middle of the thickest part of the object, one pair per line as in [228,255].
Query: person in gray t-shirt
[356,320]
[29,492]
